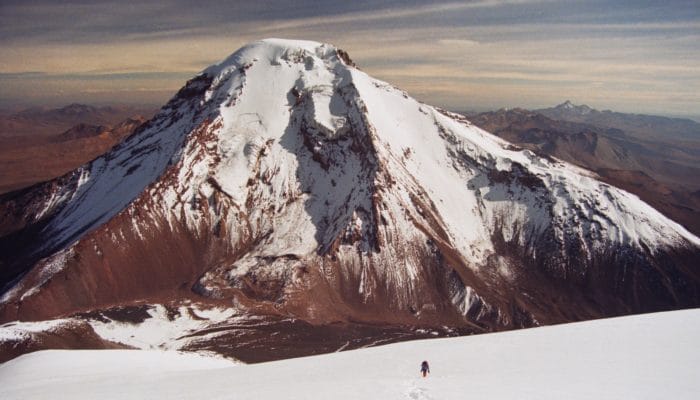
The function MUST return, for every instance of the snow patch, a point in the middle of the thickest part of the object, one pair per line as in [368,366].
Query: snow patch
[162,330]
[17,331]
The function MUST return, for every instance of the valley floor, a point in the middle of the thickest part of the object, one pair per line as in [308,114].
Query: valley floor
[652,356]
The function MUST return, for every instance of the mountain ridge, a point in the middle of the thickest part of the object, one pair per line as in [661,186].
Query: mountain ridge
[643,125]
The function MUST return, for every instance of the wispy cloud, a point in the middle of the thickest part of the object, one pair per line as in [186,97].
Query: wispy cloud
[471,54]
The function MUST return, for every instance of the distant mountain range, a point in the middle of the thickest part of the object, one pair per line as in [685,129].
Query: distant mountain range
[39,144]
[653,157]
[638,125]
[42,121]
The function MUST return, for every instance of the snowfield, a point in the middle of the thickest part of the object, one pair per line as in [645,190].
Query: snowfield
[652,356]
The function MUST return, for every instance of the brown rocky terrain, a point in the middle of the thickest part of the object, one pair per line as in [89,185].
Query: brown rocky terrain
[24,164]
[42,121]
[37,145]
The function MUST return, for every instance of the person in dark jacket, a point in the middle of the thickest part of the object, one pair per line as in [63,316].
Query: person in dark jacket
[424,368]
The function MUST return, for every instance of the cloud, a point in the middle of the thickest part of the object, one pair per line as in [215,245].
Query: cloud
[454,54]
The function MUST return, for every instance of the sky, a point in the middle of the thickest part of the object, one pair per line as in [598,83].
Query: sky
[630,56]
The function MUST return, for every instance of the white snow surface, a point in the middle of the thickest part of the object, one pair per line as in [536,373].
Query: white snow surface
[161,332]
[652,356]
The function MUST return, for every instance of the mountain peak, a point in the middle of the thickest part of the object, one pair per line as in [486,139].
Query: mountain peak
[277,52]
[284,177]
[77,108]
[568,106]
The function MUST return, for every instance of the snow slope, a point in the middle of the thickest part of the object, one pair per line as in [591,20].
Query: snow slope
[652,356]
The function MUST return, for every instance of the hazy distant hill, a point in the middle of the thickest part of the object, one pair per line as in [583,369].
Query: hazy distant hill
[41,121]
[38,151]
[637,125]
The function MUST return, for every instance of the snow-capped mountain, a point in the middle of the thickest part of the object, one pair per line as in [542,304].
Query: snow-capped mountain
[285,181]
[569,107]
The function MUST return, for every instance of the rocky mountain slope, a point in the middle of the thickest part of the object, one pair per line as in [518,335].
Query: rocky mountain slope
[285,183]
[670,146]
[661,170]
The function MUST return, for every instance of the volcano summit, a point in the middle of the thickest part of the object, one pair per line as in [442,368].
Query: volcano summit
[286,183]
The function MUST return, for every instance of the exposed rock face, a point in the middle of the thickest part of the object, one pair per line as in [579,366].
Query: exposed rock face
[285,182]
